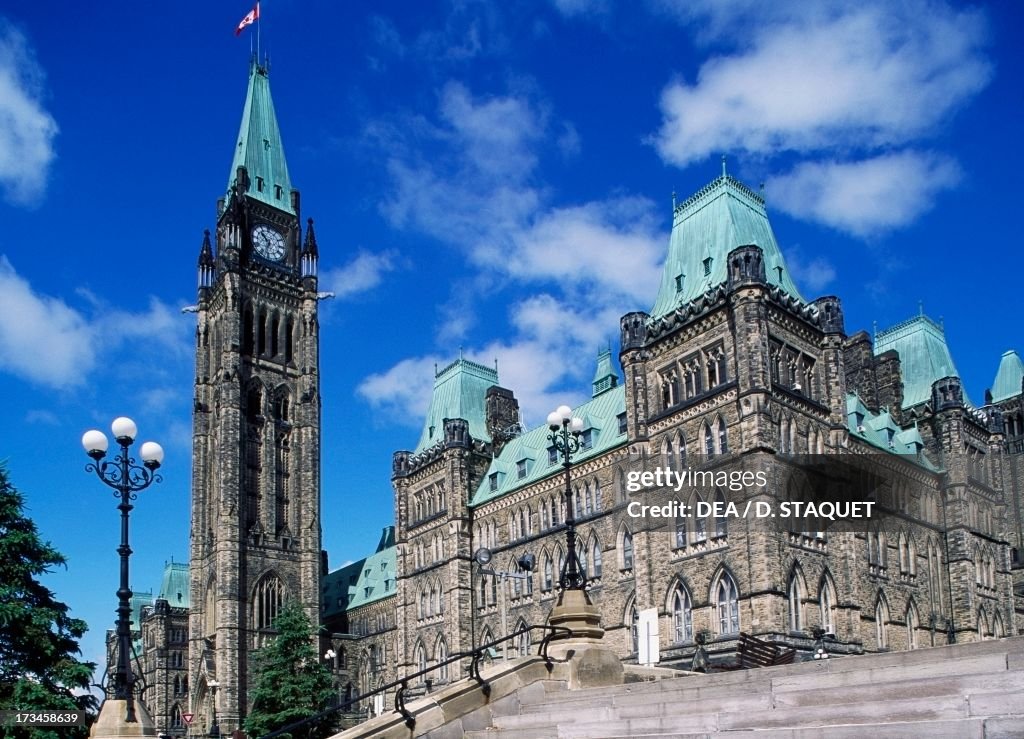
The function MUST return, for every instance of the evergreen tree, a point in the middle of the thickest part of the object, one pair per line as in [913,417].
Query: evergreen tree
[291,683]
[39,665]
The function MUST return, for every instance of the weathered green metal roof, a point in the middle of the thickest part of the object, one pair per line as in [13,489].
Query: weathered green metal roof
[1009,376]
[723,215]
[924,356]
[174,588]
[881,431]
[363,582]
[139,600]
[259,147]
[605,376]
[600,417]
[460,391]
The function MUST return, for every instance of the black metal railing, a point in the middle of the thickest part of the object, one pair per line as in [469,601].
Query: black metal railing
[402,684]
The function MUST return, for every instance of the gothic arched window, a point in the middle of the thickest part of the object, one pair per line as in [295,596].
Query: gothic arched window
[728,605]
[682,615]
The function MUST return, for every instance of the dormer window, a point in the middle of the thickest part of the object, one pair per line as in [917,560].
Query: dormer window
[552,455]
[493,481]
[521,468]
[622,423]
[679,283]
[707,266]
[259,184]
[277,192]
[779,270]
[587,439]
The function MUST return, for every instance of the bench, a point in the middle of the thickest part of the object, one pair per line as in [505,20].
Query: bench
[754,652]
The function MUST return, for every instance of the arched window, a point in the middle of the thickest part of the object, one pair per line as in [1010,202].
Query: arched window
[176,721]
[881,623]
[440,655]
[668,454]
[268,597]
[627,550]
[681,451]
[726,596]
[680,533]
[795,592]
[632,624]
[597,496]
[709,441]
[548,575]
[700,524]
[210,610]
[420,658]
[983,630]
[682,615]
[723,436]
[721,522]
[524,640]
[595,558]
[827,604]
[913,623]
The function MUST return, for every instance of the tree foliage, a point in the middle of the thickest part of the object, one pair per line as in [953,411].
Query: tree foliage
[291,682]
[39,665]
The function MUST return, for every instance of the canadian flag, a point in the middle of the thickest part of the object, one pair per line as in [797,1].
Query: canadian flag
[251,17]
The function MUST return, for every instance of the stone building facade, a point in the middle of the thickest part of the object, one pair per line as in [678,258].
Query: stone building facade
[256,423]
[732,365]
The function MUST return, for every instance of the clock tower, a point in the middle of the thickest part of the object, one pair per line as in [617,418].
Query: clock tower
[255,540]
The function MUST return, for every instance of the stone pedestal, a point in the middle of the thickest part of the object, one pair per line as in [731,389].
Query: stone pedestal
[591,663]
[111,723]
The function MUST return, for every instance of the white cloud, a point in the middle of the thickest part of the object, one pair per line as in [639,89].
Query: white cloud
[363,273]
[27,130]
[39,417]
[812,274]
[478,191]
[865,197]
[870,76]
[403,391]
[45,341]
[50,343]
[572,8]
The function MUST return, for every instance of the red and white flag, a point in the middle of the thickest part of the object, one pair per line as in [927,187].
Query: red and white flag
[251,17]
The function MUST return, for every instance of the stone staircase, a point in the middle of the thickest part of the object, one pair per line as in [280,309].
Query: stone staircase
[957,691]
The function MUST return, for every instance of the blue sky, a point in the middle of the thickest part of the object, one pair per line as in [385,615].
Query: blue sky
[491,176]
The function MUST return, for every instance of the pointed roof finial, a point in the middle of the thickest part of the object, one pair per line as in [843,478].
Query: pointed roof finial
[495,365]
[460,352]
[920,307]
[673,200]
[206,250]
[723,166]
[874,329]
[310,247]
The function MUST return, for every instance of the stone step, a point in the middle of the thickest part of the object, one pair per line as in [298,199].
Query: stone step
[923,689]
[870,712]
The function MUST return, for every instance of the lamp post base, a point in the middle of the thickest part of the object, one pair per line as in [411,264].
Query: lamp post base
[574,611]
[111,722]
[592,663]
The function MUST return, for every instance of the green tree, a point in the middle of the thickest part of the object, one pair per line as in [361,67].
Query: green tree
[291,683]
[39,664]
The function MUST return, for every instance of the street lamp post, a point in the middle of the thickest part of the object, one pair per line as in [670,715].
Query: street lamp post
[565,435]
[126,478]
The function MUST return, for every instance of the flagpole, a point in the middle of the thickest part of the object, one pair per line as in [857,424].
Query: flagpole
[258,13]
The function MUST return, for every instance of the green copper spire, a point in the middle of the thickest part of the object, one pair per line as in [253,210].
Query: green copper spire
[723,215]
[259,147]
[460,391]
[605,376]
[1008,379]
[924,356]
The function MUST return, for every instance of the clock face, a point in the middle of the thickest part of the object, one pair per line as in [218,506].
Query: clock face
[268,242]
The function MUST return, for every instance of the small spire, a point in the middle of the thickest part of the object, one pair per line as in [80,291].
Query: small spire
[920,307]
[495,365]
[435,370]
[673,200]
[874,329]
[723,166]
[206,251]
[310,247]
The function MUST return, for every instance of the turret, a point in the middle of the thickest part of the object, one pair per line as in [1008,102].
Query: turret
[746,266]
